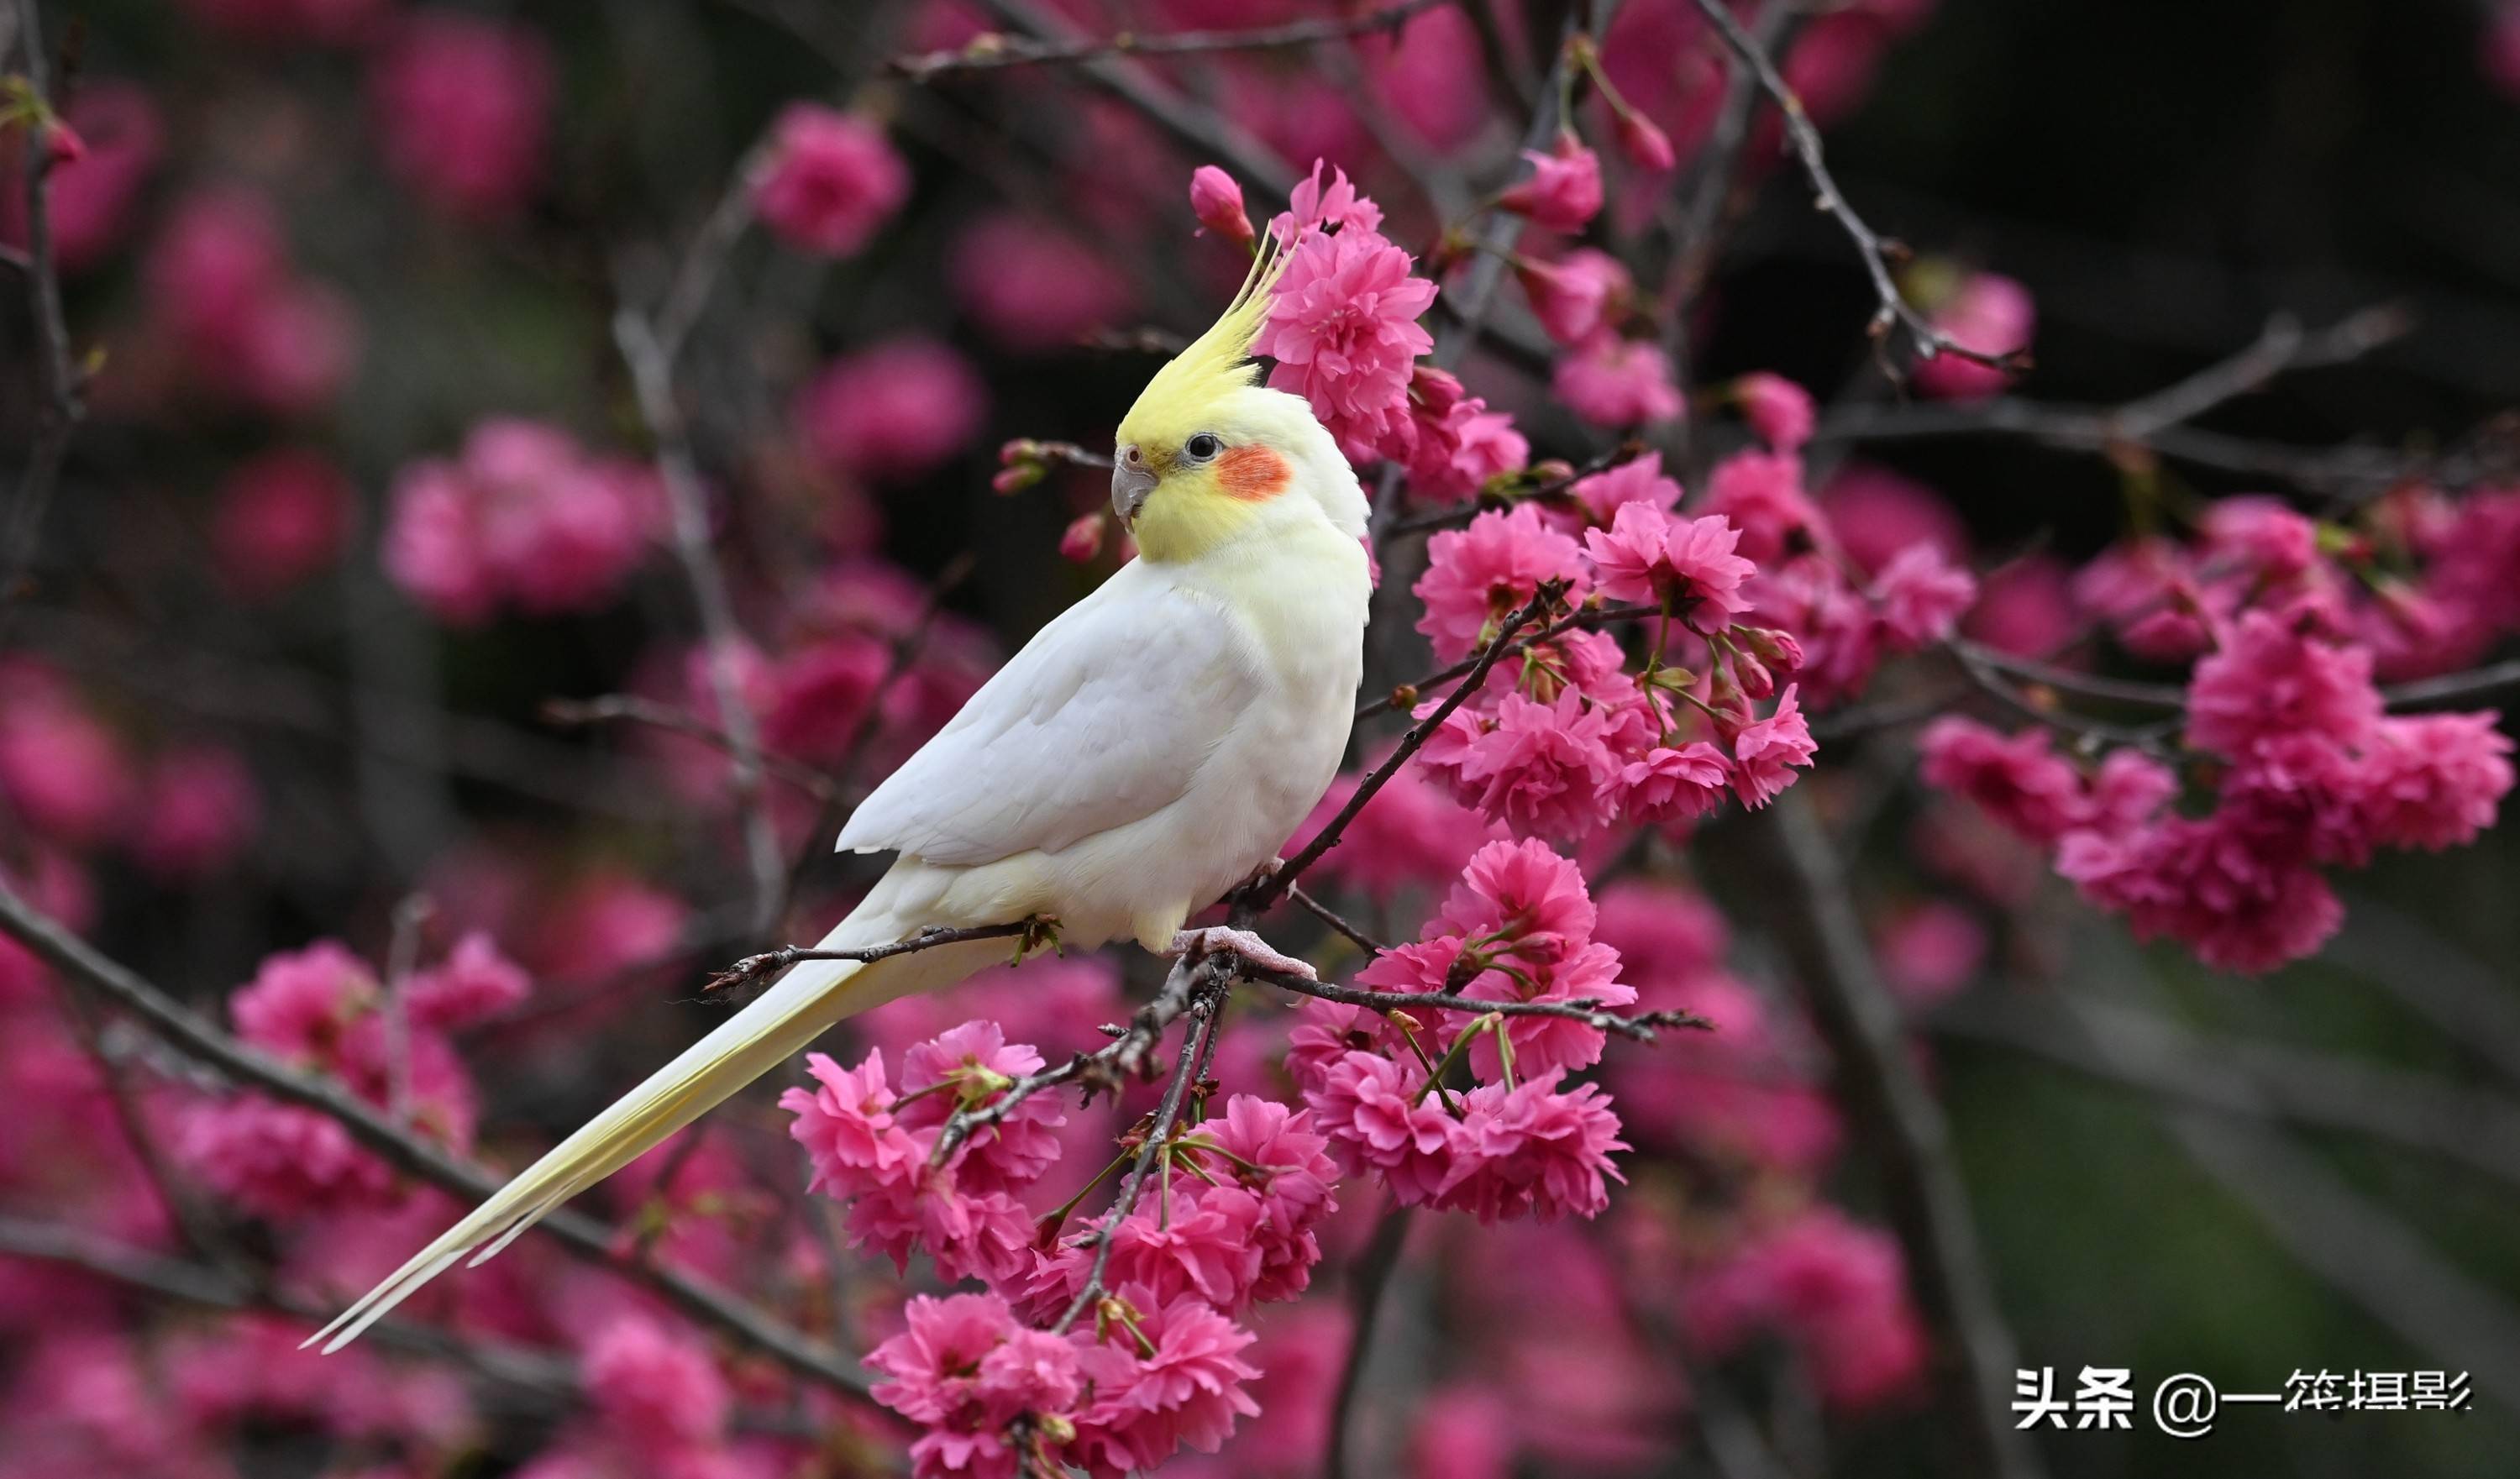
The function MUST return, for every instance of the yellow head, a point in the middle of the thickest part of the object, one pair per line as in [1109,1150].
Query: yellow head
[1207,455]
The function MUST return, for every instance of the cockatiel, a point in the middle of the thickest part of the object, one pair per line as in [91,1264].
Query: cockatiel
[1144,753]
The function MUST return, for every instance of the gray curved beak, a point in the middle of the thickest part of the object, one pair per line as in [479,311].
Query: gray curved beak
[1130,486]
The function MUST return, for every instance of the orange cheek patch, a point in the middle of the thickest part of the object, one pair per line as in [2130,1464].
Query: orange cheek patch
[1254,474]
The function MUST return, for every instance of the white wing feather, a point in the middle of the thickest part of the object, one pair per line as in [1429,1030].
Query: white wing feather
[1104,718]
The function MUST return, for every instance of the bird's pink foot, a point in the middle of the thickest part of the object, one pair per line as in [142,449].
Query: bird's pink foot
[1242,942]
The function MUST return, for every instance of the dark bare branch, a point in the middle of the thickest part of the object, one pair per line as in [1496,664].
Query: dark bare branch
[993,49]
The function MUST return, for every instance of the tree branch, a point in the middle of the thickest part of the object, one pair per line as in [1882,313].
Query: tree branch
[1892,310]
[402,1148]
[1815,924]
[992,51]
[651,374]
[64,402]
[1368,1277]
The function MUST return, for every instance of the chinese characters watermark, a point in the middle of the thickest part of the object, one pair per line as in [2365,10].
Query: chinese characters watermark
[2184,1405]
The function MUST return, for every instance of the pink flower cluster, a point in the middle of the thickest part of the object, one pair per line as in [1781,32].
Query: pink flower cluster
[321,1008]
[1835,1290]
[461,106]
[1153,1366]
[242,322]
[71,780]
[1577,741]
[827,181]
[522,517]
[1343,324]
[1520,1142]
[2314,775]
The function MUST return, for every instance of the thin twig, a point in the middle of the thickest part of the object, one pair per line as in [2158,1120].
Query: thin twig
[754,967]
[651,374]
[1158,1142]
[403,1148]
[1587,618]
[627,708]
[1891,311]
[1335,919]
[1202,128]
[991,51]
[64,402]
[1639,1027]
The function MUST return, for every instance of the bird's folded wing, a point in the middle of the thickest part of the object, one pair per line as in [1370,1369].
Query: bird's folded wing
[1103,719]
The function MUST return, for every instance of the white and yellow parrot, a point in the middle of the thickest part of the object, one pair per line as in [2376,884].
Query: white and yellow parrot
[1144,753]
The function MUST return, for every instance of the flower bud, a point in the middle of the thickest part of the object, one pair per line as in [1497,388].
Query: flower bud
[1216,201]
[1084,538]
[1644,143]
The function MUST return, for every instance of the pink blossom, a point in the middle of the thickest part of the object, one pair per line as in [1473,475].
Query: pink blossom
[198,810]
[1930,951]
[1201,1244]
[1367,1108]
[1524,895]
[1921,597]
[1344,328]
[2270,680]
[2433,781]
[846,1125]
[247,327]
[828,180]
[1836,1288]
[1031,286]
[1082,539]
[1217,201]
[301,1002]
[1686,567]
[1454,443]
[977,1063]
[2024,608]
[2261,535]
[2018,778]
[893,412]
[1543,768]
[279,1161]
[1643,141]
[1674,785]
[1271,1152]
[524,515]
[62,772]
[1614,382]
[1574,295]
[1335,206]
[1764,753]
[474,983]
[1638,480]
[934,1362]
[2209,884]
[1185,1393]
[1988,313]
[463,106]
[283,517]
[1428,74]
[1762,494]
[659,1390]
[1874,513]
[1776,408]
[986,1235]
[1477,575]
[1564,190]
[92,205]
[1534,1151]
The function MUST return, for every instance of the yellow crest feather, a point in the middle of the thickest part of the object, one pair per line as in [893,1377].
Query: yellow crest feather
[1212,365]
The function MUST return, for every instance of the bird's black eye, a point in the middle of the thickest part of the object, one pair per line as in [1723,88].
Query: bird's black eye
[1202,446]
